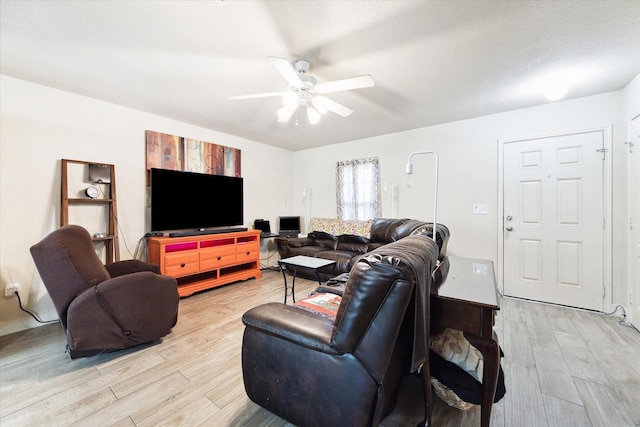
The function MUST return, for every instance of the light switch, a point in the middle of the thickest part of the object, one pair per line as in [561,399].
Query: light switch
[480,209]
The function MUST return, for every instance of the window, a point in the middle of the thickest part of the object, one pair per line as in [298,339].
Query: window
[358,189]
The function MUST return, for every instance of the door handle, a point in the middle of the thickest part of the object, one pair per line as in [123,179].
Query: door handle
[509,228]
[509,217]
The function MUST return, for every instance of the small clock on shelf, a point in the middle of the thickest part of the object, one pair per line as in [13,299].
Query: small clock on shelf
[92,192]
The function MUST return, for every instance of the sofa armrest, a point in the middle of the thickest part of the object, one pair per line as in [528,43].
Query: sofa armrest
[120,268]
[293,324]
[328,289]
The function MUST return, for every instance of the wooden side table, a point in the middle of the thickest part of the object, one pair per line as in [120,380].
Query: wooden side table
[467,300]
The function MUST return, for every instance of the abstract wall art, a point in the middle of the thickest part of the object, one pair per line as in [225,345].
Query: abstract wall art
[178,153]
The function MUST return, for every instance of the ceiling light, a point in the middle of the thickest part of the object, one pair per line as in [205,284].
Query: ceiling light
[313,115]
[285,113]
[555,84]
[290,99]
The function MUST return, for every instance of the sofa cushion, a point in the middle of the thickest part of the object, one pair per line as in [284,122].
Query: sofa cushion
[323,239]
[383,229]
[412,226]
[307,250]
[352,243]
[298,242]
[342,259]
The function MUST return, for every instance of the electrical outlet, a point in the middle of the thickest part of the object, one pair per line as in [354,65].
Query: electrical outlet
[11,289]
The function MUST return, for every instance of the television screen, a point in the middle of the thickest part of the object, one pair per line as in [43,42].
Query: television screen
[188,200]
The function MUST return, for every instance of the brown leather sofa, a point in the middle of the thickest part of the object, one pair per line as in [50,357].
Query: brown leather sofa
[313,370]
[346,249]
[103,308]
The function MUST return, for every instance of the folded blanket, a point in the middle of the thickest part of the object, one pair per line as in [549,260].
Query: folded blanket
[417,255]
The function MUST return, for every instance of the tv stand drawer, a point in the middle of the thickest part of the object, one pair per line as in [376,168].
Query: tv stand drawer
[248,252]
[212,258]
[178,264]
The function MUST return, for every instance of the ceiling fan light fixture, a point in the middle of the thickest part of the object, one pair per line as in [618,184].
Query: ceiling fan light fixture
[285,113]
[313,115]
[304,90]
[290,100]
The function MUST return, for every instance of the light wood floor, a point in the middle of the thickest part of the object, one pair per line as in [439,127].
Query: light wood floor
[562,367]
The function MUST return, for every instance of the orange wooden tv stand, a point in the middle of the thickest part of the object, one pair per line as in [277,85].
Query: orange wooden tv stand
[206,261]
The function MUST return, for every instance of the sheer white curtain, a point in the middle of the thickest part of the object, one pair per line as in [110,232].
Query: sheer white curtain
[358,189]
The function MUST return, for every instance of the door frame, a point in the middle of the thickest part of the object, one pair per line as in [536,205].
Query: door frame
[632,297]
[607,132]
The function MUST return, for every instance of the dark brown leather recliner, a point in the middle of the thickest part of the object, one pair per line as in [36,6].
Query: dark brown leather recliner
[103,308]
[315,371]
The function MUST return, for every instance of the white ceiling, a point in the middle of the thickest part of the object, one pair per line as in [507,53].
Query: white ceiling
[433,61]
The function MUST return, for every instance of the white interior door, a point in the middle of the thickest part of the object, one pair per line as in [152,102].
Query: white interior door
[634,221]
[553,236]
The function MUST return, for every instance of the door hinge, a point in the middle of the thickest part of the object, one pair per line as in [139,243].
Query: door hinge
[604,152]
[604,223]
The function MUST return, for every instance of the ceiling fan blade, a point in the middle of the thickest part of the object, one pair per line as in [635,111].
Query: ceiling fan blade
[322,104]
[286,69]
[346,84]
[256,95]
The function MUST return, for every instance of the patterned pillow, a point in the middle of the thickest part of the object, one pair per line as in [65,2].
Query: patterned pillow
[452,346]
[337,227]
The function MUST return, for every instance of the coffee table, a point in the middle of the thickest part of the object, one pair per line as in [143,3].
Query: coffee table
[301,261]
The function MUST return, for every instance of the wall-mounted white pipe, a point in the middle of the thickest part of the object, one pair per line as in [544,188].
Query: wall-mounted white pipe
[409,171]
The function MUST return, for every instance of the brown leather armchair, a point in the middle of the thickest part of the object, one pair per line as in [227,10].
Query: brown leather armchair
[103,308]
[312,370]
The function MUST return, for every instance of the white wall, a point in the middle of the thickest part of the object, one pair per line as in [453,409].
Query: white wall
[468,153]
[39,126]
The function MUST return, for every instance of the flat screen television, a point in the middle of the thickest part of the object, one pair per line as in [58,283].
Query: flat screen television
[189,200]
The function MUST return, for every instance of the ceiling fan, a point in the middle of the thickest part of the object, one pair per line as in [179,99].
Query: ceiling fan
[304,90]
